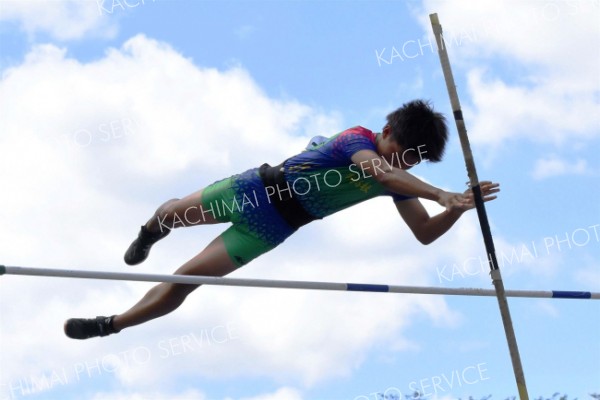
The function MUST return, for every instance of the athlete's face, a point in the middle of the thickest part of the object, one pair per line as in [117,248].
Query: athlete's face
[394,153]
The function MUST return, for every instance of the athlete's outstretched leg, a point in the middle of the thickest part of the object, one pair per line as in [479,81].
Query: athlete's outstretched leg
[177,213]
[166,297]
[161,299]
[174,213]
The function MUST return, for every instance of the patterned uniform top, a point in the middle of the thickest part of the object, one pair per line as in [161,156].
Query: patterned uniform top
[325,180]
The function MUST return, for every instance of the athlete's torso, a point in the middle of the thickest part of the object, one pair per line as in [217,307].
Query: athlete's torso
[325,180]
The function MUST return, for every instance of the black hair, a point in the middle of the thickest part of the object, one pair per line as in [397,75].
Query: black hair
[417,124]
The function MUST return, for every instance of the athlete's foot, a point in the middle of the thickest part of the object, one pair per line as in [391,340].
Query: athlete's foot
[81,328]
[140,248]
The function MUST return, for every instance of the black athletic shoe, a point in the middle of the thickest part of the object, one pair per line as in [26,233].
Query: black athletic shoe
[140,248]
[81,328]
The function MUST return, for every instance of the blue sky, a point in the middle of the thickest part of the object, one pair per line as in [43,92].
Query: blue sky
[109,108]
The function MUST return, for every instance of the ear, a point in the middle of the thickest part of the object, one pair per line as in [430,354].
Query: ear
[386,131]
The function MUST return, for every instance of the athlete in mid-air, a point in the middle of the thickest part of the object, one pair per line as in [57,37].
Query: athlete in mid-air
[268,204]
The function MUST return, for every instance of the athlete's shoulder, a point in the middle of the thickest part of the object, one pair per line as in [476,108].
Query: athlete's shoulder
[355,135]
[359,130]
[351,141]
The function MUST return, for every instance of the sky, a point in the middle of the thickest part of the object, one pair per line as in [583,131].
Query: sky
[109,108]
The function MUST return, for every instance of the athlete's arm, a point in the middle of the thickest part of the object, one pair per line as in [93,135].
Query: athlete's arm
[427,229]
[369,163]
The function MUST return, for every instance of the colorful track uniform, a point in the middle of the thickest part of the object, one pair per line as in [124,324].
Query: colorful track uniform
[326,181]
[314,184]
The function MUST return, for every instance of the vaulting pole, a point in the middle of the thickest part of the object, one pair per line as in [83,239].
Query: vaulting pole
[281,284]
[481,213]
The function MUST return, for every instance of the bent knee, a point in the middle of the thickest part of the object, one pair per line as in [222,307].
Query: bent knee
[168,208]
[167,213]
[178,291]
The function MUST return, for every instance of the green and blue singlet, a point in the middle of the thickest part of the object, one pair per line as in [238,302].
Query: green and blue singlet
[268,204]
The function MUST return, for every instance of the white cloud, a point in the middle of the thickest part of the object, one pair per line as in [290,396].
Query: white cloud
[244,31]
[284,393]
[159,126]
[62,19]
[189,395]
[162,127]
[553,166]
[281,394]
[545,308]
[589,276]
[532,67]
[542,112]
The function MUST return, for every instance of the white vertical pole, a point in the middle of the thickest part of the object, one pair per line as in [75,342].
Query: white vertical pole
[481,213]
